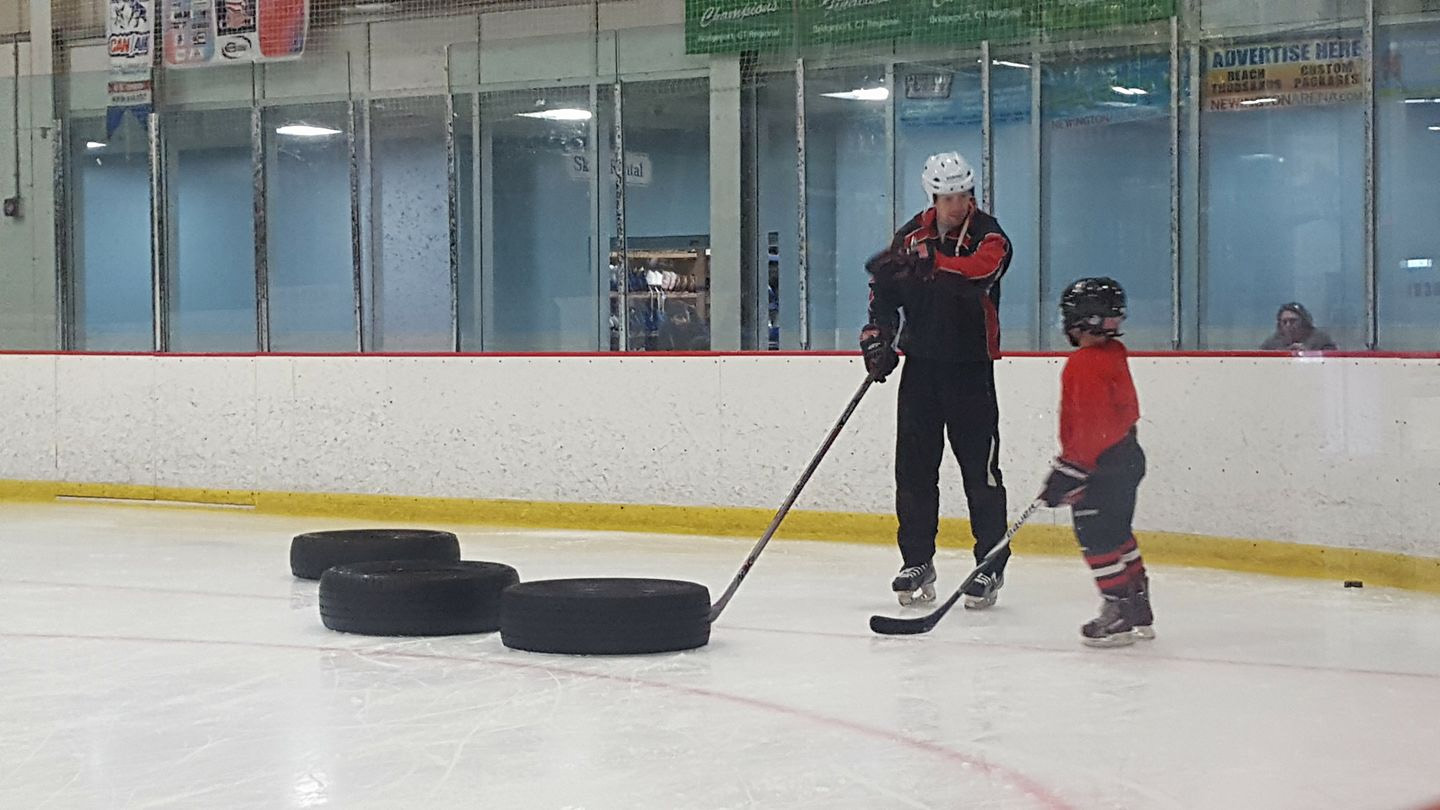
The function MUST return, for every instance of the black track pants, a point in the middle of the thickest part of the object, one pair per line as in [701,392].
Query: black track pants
[956,399]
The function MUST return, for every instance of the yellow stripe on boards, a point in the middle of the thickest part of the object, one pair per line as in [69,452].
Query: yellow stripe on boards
[1168,548]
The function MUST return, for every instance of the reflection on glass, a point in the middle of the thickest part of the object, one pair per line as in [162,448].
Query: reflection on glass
[110,235]
[666,263]
[1014,143]
[212,253]
[1106,126]
[777,287]
[1408,129]
[312,305]
[541,290]
[848,205]
[1284,185]
[409,225]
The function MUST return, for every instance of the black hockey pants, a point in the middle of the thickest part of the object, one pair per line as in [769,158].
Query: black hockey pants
[958,399]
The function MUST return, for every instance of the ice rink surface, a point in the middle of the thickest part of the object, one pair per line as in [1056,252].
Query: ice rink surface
[154,657]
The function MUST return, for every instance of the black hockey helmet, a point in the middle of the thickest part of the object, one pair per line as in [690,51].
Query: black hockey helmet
[1094,305]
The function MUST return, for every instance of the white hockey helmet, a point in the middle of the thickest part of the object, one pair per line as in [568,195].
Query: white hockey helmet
[947,173]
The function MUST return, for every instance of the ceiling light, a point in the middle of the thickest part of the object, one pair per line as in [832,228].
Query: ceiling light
[1118,104]
[1258,101]
[862,94]
[1434,127]
[94,145]
[1006,63]
[306,131]
[1422,101]
[559,114]
[1419,264]
[1129,91]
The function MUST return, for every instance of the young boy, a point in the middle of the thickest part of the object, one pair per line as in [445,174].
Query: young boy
[1101,463]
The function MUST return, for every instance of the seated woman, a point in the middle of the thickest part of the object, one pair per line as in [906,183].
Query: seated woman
[1295,331]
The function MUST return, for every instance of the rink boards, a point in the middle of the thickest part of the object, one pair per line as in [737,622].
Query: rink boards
[1322,467]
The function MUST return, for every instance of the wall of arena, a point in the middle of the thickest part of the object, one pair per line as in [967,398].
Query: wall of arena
[1319,467]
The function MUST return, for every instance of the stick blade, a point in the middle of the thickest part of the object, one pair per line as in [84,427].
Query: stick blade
[891,626]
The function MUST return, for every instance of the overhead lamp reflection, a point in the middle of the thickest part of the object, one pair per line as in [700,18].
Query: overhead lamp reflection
[861,94]
[558,114]
[305,131]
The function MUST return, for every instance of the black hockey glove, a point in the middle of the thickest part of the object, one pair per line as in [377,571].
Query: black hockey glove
[1065,486]
[880,356]
[888,265]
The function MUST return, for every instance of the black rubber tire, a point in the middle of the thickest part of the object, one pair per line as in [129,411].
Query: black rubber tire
[414,597]
[313,552]
[605,616]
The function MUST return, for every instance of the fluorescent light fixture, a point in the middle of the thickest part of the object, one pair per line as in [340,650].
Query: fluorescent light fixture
[1422,101]
[1434,127]
[1129,91]
[862,94]
[305,131]
[559,114]
[1419,264]
[94,145]
[1118,104]
[1255,102]
[1005,63]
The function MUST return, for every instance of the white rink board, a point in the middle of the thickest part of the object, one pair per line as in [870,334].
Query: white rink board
[1340,452]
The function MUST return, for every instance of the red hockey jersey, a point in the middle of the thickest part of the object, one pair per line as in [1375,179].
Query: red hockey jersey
[1098,406]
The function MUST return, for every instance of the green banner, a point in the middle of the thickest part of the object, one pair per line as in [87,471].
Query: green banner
[840,22]
[1063,15]
[969,21]
[727,26]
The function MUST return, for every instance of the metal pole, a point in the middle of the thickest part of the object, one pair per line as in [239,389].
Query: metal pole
[617,169]
[611,300]
[259,194]
[477,224]
[1372,326]
[64,267]
[1195,193]
[1037,157]
[892,191]
[802,252]
[452,207]
[357,257]
[1175,279]
[159,260]
[987,132]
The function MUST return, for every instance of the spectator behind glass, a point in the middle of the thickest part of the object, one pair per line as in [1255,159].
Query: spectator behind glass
[1295,331]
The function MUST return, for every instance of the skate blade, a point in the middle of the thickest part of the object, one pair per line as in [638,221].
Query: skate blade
[1145,633]
[1117,640]
[920,597]
[979,602]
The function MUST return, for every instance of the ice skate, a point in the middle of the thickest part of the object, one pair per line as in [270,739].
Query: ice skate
[1113,627]
[915,584]
[1141,616]
[981,593]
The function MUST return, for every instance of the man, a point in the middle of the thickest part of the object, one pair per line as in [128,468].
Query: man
[943,269]
[1295,331]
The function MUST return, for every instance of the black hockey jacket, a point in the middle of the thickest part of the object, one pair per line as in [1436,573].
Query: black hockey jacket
[952,308]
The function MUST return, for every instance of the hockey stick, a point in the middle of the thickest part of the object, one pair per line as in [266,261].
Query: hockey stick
[890,626]
[790,501]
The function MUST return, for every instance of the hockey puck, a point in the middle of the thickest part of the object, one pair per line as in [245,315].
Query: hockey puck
[1354,583]
[605,616]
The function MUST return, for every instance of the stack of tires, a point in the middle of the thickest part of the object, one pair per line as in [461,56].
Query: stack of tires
[410,582]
